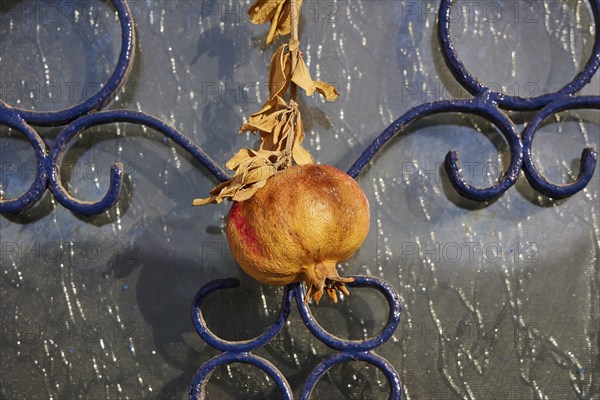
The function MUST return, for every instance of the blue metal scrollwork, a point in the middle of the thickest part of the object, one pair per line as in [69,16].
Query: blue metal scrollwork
[479,106]
[81,117]
[108,91]
[116,170]
[12,119]
[589,155]
[349,350]
[486,103]
[470,82]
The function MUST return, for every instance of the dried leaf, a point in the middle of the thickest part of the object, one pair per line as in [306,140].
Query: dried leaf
[202,202]
[275,125]
[219,192]
[326,90]
[275,11]
[239,157]
[266,119]
[301,77]
[298,129]
[252,170]
[301,156]
[280,72]
[262,11]
[245,194]
[261,173]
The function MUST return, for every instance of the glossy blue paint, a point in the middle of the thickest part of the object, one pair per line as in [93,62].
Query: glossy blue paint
[116,171]
[339,358]
[355,345]
[12,119]
[476,88]
[480,106]
[241,346]
[239,351]
[110,88]
[197,388]
[486,103]
[588,158]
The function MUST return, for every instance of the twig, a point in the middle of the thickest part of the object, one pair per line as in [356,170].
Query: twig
[294,39]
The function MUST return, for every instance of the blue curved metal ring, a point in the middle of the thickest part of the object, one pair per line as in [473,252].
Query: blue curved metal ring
[197,387]
[375,359]
[116,175]
[589,155]
[470,82]
[10,118]
[110,89]
[240,346]
[481,106]
[355,345]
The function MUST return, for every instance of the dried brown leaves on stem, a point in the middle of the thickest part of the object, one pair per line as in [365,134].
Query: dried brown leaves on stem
[277,12]
[279,125]
[278,122]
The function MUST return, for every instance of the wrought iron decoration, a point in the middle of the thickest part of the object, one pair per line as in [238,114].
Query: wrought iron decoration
[485,102]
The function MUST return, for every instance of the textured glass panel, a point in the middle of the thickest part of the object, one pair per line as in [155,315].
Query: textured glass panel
[499,300]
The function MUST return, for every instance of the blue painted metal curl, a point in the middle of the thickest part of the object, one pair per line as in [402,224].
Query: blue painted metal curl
[355,345]
[238,351]
[471,84]
[197,388]
[339,358]
[480,106]
[589,155]
[486,104]
[12,119]
[108,91]
[243,346]
[116,170]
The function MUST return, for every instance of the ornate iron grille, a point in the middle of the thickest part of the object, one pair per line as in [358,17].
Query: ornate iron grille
[486,103]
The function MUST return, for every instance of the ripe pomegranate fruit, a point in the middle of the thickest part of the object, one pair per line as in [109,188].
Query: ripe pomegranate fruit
[305,220]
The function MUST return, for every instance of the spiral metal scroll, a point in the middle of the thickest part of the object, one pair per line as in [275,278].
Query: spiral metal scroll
[348,350]
[486,103]
[80,117]
[108,91]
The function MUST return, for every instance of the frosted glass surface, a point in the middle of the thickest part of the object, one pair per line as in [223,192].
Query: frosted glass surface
[500,300]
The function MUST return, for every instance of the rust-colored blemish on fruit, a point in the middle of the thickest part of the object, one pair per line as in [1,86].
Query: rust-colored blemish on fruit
[244,228]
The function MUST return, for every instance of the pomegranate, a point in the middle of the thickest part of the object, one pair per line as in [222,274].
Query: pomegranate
[305,220]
